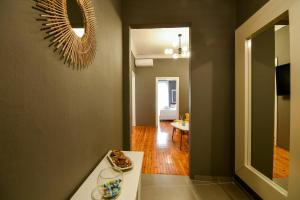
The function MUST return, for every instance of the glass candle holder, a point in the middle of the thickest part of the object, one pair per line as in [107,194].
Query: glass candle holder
[109,184]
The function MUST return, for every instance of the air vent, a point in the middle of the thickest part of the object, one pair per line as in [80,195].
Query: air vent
[144,62]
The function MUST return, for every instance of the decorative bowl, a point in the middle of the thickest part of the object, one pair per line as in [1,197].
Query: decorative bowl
[109,184]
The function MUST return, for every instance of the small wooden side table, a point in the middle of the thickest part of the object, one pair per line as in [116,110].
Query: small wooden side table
[183,128]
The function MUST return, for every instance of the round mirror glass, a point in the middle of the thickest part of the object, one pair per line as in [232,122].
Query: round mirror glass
[76,17]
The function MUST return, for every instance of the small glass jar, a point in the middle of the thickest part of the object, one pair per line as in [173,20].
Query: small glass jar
[109,184]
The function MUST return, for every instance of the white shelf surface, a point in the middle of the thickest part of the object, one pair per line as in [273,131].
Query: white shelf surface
[131,181]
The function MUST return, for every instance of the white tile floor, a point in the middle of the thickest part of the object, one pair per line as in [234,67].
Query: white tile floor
[165,187]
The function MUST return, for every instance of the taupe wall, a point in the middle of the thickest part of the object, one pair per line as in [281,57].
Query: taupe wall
[246,8]
[282,52]
[145,87]
[55,123]
[263,101]
[212,74]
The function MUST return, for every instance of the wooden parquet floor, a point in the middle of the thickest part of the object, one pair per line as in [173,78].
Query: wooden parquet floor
[280,163]
[161,155]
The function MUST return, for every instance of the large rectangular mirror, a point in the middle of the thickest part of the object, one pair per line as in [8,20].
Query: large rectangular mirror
[270,101]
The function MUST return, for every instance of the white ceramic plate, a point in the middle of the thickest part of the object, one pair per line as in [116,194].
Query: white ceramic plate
[114,165]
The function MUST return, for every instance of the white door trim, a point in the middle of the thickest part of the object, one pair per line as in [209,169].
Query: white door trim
[262,185]
[156,96]
[133,104]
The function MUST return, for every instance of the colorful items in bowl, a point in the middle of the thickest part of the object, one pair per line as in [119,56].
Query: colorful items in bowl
[119,159]
[111,189]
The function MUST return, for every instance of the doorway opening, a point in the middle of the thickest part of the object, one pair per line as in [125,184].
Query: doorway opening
[160,99]
[167,99]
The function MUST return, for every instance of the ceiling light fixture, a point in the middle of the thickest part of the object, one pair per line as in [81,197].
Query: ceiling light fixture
[180,51]
[175,56]
[168,51]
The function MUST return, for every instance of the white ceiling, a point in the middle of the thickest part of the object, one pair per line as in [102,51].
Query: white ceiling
[151,43]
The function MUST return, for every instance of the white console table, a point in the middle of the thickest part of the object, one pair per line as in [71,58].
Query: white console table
[131,187]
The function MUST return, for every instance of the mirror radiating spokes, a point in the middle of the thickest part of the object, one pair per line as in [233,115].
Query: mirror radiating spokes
[74,50]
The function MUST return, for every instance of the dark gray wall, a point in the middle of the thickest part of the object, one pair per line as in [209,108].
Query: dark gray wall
[211,78]
[55,123]
[172,86]
[283,122]
[282,52]
[246,8]
[263,101]
[145,87]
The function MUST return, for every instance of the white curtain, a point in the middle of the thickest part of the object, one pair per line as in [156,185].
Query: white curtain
[163,94]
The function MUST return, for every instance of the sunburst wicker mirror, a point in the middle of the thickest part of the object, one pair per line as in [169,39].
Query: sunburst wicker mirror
[70,29]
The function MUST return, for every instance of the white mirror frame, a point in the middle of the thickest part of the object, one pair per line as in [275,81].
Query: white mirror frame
[262,185]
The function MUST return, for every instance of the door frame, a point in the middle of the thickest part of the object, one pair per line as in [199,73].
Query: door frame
[156,96]
[262,185]
[127,135]
[133,105]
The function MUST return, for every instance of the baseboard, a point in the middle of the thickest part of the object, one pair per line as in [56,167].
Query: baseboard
[246,188]
[219,179]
